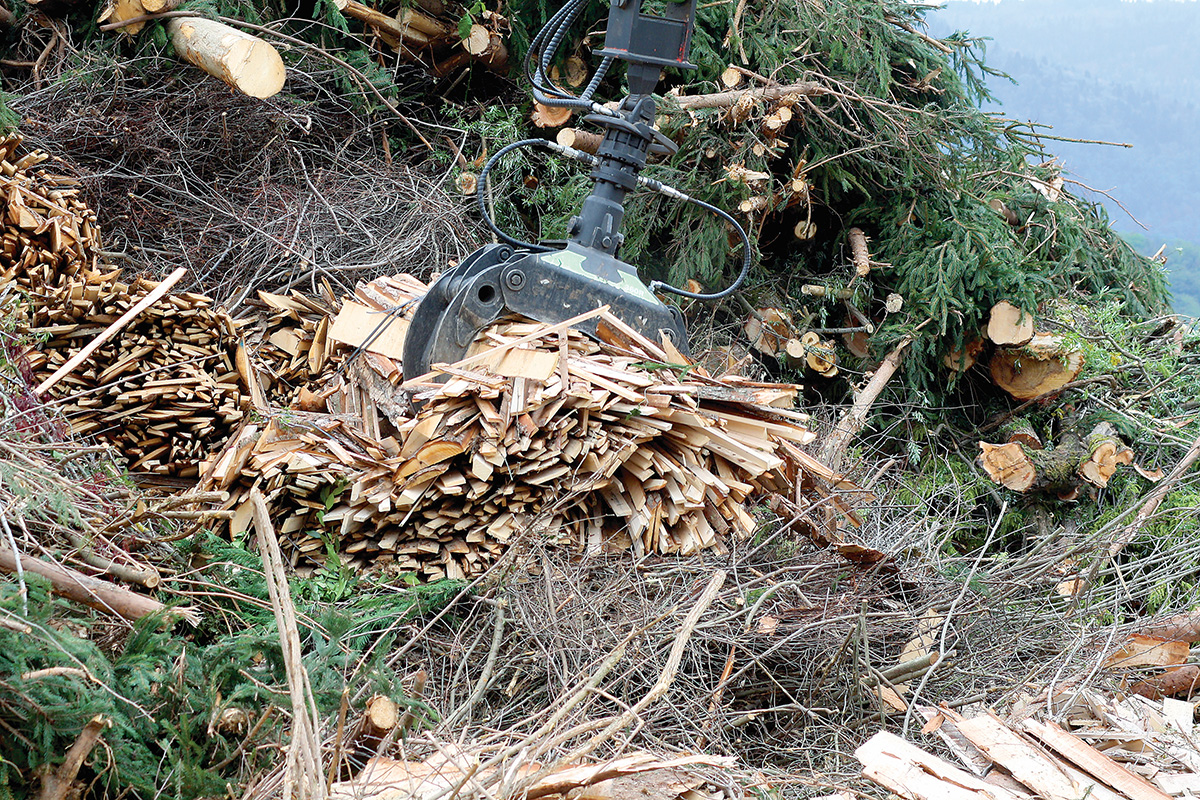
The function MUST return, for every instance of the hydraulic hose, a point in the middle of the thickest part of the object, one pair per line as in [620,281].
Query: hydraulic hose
[481,191]
[659,286]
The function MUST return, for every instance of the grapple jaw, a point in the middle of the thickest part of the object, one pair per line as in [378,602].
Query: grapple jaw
[547,287]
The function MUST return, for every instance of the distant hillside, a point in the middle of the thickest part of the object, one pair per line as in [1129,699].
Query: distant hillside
[1117,71]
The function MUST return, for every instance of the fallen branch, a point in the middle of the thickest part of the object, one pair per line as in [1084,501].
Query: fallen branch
[93,592]
[57,784]
[302,775]
[728,99]
[833,452]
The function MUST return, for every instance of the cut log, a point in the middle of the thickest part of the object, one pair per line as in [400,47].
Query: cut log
[1009,325]
[545,116]
[101,595]
[1094,458]
[859,254]
[820,356]
[432,28]
[586,141]
[488,48]
[1107,454]
[731,77]
[245,62]
[962,360]
[768,330]
[1043,365]
[1022,432]
[158,6]
[392,30]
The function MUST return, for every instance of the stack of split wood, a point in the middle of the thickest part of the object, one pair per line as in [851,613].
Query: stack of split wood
[49,234]
[150,372]
[618,444]
[164,389]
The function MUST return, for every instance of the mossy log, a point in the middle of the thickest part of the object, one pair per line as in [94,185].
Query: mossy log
[1019,466]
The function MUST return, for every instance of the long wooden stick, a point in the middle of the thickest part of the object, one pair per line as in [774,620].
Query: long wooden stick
[728,99]
[111,331]
[56,784]
[90,591]
[834,449]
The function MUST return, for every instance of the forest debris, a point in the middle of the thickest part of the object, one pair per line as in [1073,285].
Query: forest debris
[1042,365]
[240,59]
[1052,764]
[1009,325]
[1181,627]
[100,595]
[1148,651]
[302,774]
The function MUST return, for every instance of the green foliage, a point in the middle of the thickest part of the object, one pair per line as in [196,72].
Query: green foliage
[164,689]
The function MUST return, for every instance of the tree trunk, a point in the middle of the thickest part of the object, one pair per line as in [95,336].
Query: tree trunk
[245,62]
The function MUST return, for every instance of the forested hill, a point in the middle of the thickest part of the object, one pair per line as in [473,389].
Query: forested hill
[1113,70]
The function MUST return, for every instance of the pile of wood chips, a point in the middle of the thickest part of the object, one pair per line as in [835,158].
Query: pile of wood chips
[614,444]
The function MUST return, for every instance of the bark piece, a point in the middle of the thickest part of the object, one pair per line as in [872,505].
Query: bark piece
[1043,365]
[1009,325]
[1028,764]
[1093,762]
[962,360]
[912,773]
[245,62]
[1182,680]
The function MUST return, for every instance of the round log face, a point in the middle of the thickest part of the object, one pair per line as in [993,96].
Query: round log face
[1045,365]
